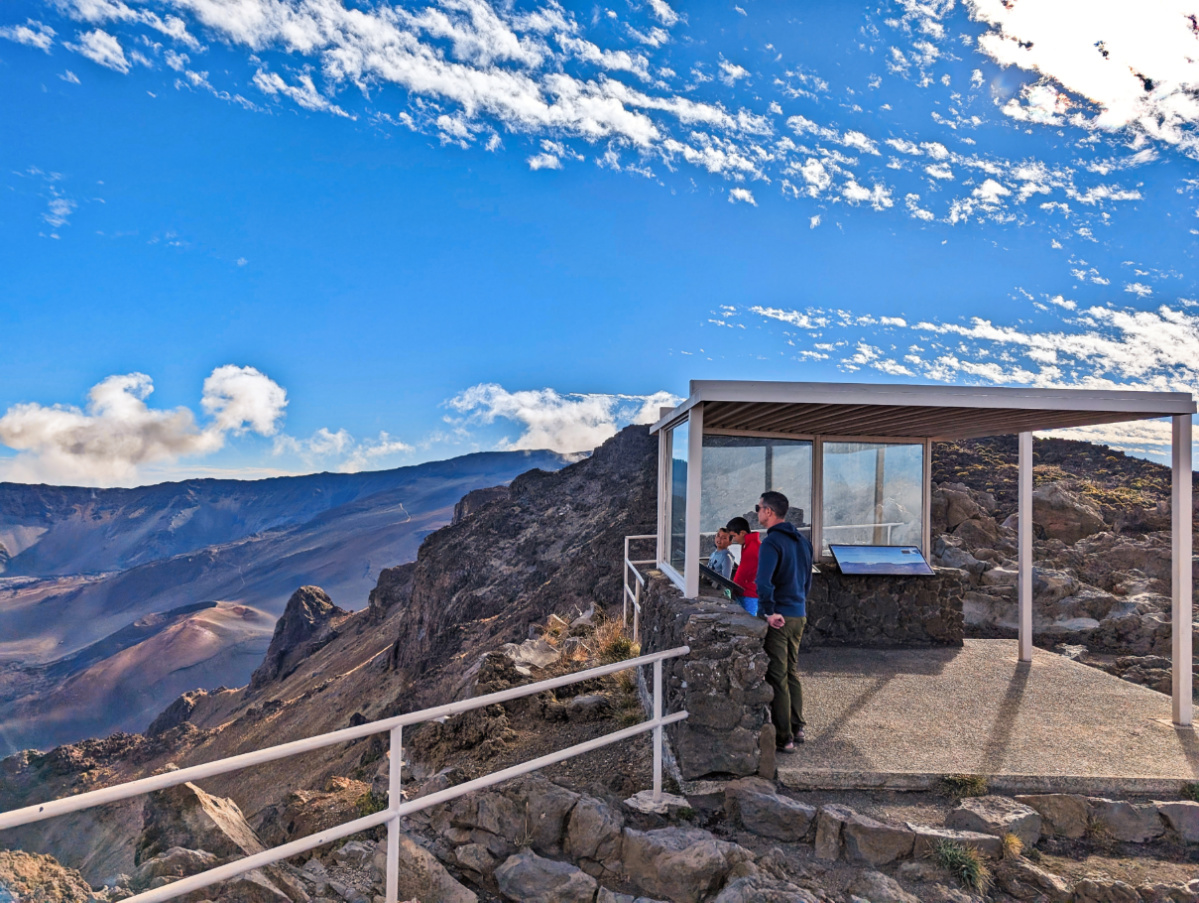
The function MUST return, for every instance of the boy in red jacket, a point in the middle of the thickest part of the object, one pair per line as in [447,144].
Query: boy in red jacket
[746,575]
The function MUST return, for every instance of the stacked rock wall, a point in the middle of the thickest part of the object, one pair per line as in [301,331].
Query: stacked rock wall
[847,610]
[721,683]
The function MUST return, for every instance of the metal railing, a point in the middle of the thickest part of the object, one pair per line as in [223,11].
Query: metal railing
[889,527]
[396,809]
[632,593]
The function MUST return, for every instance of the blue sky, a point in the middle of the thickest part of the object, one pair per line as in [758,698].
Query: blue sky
[270,236]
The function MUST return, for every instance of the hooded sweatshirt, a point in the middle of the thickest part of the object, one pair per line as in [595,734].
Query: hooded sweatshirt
[747,570]
[784,572]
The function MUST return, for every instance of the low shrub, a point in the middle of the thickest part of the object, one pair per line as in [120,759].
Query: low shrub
[959,786]
[965,864]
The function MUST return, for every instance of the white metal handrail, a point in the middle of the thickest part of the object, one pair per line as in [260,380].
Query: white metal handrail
[395,809]
[633,593]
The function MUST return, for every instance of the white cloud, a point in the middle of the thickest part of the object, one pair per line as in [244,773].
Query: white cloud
[879,195]
[305,93]
[663,12]
[544,161]
[1139,289]
[117,433]
[560,422]
[1109,66]
[32,34]
[814,221]
[69,77]
[101,47]
[58,211]
[743,196]
[939,171]
[731,72]
[354,456]
[792,317]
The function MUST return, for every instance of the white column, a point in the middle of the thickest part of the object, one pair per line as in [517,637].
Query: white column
[816,519]
[1181,560]
[926,501]
[695,471]
[1024,541]
[662,552]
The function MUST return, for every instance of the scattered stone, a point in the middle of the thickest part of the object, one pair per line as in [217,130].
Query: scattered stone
[1088,891]
[1025,881]
[997,815]
[874,842]
[1129,822]
[666,804]
[594,833]
[176,862]
[878,888]
[756,806]
[536,653]
[830,822]
[927,838]
[252,887]
[1063,814]
[529,878]
[682,864]
[474,857]
[592,707]
[760,889]
[422,876]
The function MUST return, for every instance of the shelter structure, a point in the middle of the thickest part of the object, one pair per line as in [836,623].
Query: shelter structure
[855,461]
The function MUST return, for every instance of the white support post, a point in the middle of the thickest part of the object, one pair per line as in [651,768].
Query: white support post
[695,470]
[624,598]
[1024,541]
[394,798]
[658,730]
[817,517]
[662,546]
[1181,613]
[637,613]
[926,502]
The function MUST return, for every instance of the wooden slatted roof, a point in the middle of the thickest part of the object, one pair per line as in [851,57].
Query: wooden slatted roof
[914,412]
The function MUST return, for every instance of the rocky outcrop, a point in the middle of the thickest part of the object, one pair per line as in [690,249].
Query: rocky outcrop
[34,878]
[476,499]
[1059,513]
[176,713]
[309,622]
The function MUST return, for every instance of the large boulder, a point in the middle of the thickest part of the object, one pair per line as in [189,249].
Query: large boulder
[878,888]
[927,838]
[422,877]
[1091,891]
[307,624]
[1026,881]
[1183,819]
[875,842]
[681,864]
[1063,814]
[594,834]
[830,826]
[174,863]
[754,804]
[1123,821]
[761,889]
[185,816]
[1061,514]
[997,815]
[528,878]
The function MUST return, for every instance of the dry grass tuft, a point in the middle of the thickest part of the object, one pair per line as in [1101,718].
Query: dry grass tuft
[1013,846]
[966,864]
[960,786]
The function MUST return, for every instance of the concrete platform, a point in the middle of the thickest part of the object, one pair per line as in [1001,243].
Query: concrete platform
[900,719]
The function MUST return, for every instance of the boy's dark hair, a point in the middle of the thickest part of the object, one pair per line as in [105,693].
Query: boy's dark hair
[776,502]
[738,525]
[723,530]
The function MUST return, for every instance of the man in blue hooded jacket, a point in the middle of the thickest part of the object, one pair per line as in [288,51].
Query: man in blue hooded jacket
[784,578]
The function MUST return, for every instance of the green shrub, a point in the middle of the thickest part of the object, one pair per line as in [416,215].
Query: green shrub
[370,803]
[1190,791]
[965,864]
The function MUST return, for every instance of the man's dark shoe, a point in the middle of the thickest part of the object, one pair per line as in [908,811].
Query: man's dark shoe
[798,736]
[788,747]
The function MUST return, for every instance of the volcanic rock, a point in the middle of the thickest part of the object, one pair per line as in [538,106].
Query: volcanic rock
[307,624]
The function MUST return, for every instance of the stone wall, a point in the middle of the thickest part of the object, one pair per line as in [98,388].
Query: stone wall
[848,610]
[721,683]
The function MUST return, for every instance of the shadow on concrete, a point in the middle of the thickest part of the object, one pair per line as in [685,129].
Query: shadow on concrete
[861,661]
[995,753]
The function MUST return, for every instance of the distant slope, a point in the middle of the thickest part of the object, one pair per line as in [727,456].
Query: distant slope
[64,530]
[89,654]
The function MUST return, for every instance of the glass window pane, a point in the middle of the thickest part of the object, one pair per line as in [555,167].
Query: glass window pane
[873,494]
[738,469]
[678,495]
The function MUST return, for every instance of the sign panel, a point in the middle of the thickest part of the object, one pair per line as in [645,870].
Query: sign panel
[894,560]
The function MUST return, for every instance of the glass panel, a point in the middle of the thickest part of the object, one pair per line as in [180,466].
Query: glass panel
[738,469]
[873,494]
[678,495]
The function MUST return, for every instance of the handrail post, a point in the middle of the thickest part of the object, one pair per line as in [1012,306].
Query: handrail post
[657,730]
[624,599]
[637,614]
[394,777]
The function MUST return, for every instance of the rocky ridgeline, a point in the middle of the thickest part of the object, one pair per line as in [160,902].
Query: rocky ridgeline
[1101,549]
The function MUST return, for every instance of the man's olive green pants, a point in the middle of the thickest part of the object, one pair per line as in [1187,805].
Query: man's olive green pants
[782,673]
